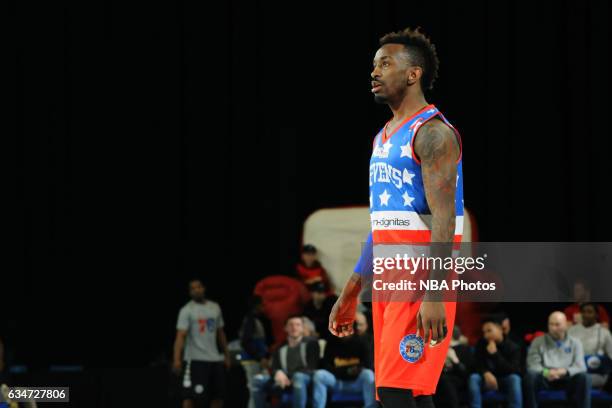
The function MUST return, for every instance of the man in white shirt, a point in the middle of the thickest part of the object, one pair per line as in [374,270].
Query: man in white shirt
[206,358]
[597,344]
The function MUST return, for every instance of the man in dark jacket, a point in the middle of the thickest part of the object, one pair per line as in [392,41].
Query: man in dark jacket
[319,308]
[292,366]
[344,368]
[255,338]
[497,361]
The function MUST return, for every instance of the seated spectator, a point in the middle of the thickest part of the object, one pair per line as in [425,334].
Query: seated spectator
[309,270]
[292,366]
[582,294]
[516,339]
[310,331]
[255,338]
[497,361]
[596,343]
[362,329]
[454,377]
[319,307]
[344,368]
[556,360]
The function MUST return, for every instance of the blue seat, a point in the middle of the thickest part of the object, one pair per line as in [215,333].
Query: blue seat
[552,395]
[346,397]
[601,396]
[493,396]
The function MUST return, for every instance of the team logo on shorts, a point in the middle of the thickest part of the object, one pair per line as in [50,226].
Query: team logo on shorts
[411,348]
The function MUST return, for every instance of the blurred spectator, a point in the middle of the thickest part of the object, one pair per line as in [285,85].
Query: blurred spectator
[362,329]
[292,366]
[310,331]
[596,342]
[319,307]
[454,377]
[344,368]
[255,339]
[497,362]
[556,360]
[309,270]
[199,330]
[582,294]
[282,297]
[516,339]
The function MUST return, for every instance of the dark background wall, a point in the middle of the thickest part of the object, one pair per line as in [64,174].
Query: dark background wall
[153,142]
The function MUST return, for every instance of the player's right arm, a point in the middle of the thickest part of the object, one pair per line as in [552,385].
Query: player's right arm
[342,315]
[179,343]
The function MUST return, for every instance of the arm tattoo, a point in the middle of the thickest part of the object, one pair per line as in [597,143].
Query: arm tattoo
[438,149]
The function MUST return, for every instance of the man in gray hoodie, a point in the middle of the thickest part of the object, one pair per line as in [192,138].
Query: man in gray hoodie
[556,361]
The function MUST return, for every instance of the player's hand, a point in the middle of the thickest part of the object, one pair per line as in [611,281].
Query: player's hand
[342,317]
[228,362]
[177,366]
[490,381]
[492,347]
[431,319]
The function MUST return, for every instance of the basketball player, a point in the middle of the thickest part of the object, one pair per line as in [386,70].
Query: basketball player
[200,330]
[415,197]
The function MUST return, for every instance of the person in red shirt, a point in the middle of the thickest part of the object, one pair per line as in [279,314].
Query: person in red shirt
[309,270]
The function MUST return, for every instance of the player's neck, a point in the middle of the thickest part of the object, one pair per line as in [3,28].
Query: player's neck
[408,106]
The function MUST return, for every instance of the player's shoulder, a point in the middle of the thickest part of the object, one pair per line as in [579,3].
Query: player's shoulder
[437,126]
[434,136]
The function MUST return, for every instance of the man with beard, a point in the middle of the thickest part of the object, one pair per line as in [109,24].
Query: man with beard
[416,198]
[203,366]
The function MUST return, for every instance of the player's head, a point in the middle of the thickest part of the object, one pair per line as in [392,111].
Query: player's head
[294,326]
[405,60]
[197,290]
[557,325]
[492,329]
[589,314]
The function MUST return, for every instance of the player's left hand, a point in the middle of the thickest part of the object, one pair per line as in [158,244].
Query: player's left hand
[431,319]
[228,362]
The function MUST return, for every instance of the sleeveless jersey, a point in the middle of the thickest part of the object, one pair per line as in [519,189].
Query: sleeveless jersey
[398,206]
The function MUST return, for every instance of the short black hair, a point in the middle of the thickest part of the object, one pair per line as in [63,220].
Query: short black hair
[421,51]
[309,249]
[492,318]
[293,316]
[592,304]
[196,280]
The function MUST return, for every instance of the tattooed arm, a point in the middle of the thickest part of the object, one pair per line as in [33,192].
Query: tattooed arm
[437,147]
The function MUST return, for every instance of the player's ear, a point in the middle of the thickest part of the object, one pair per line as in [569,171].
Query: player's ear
[414,74]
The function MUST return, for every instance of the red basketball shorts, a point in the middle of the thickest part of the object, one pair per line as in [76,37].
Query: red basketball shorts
[401,359]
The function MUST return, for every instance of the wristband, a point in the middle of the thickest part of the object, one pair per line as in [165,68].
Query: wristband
[545,372]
